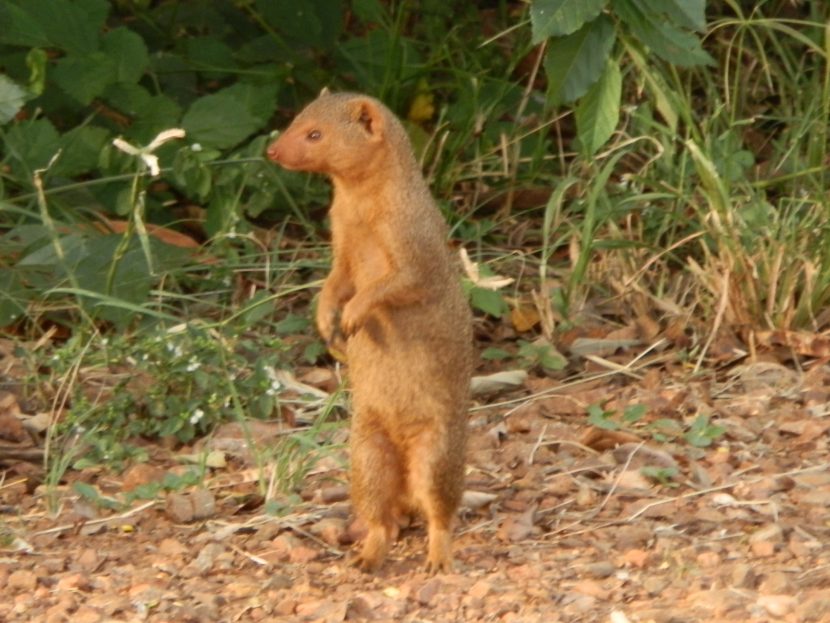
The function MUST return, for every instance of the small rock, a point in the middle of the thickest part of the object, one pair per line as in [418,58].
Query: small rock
[743,576]
[763,549]
[141,474]
[179,508]
[776,583]
[592,589]
[172,547]
[207,556]
[303,554]
[88,560]
[241,590]
[72,582]
[284,544]
[285,607]
[636,558]
[85,614]
[777,605]
[426,594]
[480,589]
[330,495]
[655,585]
[600,570]
[204,503]
[329,529]
[771,532]
[22,580]
[709,560]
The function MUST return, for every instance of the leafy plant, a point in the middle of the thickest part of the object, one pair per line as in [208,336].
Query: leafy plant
[606,419]
[584,42]
[702,432]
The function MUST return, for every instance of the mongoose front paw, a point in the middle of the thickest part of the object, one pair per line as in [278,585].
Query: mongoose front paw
[354,316]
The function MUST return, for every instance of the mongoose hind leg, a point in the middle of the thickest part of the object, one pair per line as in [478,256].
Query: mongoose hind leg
[436,489]
[377,485]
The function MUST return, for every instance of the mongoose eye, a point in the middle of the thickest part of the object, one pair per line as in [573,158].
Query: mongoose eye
[314,135]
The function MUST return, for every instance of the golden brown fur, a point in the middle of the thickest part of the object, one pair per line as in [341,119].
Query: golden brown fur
[393,294]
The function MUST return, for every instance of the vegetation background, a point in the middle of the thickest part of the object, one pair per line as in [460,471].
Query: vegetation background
[656,164]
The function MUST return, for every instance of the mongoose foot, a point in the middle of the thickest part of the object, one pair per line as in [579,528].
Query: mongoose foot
[375,547]
[434,567]
[439,547]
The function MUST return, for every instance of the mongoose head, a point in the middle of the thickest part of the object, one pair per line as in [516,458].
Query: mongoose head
[339,134]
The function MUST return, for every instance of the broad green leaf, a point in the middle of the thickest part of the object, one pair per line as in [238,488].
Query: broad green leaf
[14,296]
[30,145]
[685,13]
[128,52]
[489,301]
[73,27]
[575,62]
[211,56]
[664,39]
[311,23]
[20,27]
[12,98]
[495,354]
[223,120]
[259,100]
[151,113]
[85,77]
[554,18]
[599,417]
[599,111]
[80,150]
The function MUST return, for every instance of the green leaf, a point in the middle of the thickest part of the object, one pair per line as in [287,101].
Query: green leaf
[554,18]
[81,148]
[211,56]
[599,417]
[20,27]
[633,413]
[14,296]
[676,46]
[662,475]
[12,98]
[226,118]
[311,23]
[85,77]
[490,302]
[495,354]
[128,53]
[291,324]
[575,62]
[599,111]
[701,434]
[689,14]
[73,27]
[30,145]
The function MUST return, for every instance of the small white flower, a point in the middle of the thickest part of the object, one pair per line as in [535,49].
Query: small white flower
[196,147]
[198,414]
[495,282]
[193,365]
[146,153]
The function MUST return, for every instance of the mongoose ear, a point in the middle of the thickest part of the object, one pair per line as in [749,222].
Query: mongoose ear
[324,91]
[368,114]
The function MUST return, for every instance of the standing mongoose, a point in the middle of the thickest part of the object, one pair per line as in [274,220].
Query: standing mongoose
[394,296]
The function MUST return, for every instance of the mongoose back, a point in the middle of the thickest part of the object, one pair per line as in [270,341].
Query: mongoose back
[394,296]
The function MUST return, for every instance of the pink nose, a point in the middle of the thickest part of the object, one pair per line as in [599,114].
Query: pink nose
[273,152]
